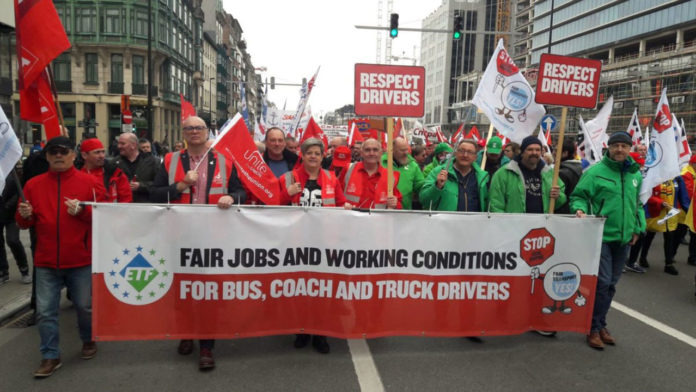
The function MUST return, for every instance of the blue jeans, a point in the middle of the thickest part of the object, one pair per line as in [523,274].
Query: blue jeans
[611,263]
[49,282]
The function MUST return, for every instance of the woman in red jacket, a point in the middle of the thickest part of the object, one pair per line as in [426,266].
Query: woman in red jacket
[311,186]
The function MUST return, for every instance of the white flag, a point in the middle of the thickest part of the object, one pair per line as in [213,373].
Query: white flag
[544,141]
[507,99]
[10,149]
[683,148]
[662,161]
[634,129]
[597,127]
[305,91]
[589,150]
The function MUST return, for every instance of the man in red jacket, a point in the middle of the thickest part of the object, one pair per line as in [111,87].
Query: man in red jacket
[114,179]
[365,183]
[63,247]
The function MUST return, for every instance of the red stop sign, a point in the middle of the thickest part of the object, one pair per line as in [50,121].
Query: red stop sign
[537,246]
[127,117]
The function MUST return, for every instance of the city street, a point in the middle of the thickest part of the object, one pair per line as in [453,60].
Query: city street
[655,329]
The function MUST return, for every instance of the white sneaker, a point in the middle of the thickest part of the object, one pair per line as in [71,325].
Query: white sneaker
[26,279]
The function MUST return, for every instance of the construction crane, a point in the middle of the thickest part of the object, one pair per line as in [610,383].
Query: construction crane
[502,22]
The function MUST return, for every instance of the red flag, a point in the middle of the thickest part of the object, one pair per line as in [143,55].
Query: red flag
[235,143]
[187,110]
[40,38]
[503,138]
[313,130]
[473,134]
[440,137]
[37,105]
[457,135]
[398,127]
[354,136]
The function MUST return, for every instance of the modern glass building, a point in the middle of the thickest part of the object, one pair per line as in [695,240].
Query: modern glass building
[645,45]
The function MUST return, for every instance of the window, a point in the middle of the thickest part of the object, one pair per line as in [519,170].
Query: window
[64,15]
[112,21]
[139,23]
[86,20]
[61,67]
[138,70]
[117,68]
[91,68]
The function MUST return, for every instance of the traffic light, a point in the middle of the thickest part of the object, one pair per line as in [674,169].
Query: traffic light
[394,25]
[458,27]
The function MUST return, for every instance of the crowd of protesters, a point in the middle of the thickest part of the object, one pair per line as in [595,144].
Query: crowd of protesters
[467,176]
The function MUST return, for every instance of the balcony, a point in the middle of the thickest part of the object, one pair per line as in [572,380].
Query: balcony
[63,86]
[139,89]
[115,88]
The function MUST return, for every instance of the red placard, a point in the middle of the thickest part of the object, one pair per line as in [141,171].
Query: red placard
[127,117]
[389,90]
[537,246]
[568,81]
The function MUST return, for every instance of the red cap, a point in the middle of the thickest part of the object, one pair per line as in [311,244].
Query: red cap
[88,145]
[341,157]
[692,160]
[482,143]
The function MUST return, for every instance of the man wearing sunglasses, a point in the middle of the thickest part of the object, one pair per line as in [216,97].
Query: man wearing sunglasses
[53,207]
[190,176]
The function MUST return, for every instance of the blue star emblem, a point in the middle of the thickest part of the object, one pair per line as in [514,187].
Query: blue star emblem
[125,294]
[112,273]
[139,248]
[126,251]
[116,286]
[116,261]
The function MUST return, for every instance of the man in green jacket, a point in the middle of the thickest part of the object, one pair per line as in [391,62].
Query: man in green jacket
[410,177]
[524,184]
[611,189]
[457,185]
[439,157]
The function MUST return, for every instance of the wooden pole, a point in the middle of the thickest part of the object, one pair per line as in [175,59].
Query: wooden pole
[559,151]
[485,148]
[390,156]
[63,129]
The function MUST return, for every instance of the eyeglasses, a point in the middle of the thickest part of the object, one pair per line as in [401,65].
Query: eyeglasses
[55,150]
[199,128]
[466,152]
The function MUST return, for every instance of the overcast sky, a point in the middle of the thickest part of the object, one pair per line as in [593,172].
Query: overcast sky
[292,38]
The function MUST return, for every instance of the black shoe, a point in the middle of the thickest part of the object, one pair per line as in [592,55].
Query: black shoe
[644,263]
[669,268]
[475,339]
[185,347]
[301,340]
[320,344]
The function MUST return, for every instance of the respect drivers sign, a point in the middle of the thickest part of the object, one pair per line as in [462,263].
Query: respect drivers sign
[568,81]
[389,90]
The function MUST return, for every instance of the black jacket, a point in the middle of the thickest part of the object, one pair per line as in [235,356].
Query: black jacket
[289,157]
[570,172]
[145,168]
[162,191]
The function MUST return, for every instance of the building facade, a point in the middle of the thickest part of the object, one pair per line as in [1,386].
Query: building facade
[644,45]
[453,67]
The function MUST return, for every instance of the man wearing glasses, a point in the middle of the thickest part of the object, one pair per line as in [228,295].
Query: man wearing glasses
[191,176]
[457,185]
[63,248]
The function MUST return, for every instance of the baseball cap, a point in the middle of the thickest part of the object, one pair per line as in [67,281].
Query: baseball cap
[495,145]
[341,157]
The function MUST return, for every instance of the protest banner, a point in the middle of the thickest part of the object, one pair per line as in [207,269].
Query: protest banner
[567,81]
[389,90]
[172,272]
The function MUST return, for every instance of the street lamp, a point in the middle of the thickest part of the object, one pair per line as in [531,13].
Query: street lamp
[210,102]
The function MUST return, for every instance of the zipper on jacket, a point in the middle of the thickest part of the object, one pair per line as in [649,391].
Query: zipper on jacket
[58,226]
[623,203]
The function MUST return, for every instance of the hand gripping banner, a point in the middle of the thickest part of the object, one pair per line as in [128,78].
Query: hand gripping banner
[171,272]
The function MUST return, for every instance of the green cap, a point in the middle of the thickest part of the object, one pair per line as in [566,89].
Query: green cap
[495,145]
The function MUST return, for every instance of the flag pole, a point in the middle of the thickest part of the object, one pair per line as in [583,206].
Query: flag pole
[390,156]
[490,134]
[55,95]
[18,182]
[559,152]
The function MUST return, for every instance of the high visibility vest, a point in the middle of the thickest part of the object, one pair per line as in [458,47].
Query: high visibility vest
[327,181]
[353,187]
[218,187]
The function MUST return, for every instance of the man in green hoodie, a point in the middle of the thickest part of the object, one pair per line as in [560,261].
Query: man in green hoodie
[410,177]
[457,185]
[524,184]
[611,189]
